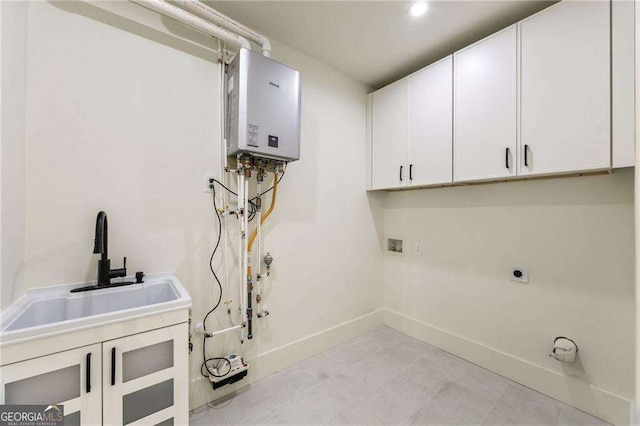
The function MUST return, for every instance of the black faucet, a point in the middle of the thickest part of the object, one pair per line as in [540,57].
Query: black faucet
[101,245]
[105,273]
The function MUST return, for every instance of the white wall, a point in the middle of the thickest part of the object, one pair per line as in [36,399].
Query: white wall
[14,41]
[637,230]
[576,237]
[122,120]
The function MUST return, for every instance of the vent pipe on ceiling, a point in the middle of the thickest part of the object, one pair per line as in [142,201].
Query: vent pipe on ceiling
[194,22]
[212,15]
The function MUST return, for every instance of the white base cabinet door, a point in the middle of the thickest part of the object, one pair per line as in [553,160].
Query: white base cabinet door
[70,378]
[566,89]
[486,107]
[146,378]
[430,141]
[389,137]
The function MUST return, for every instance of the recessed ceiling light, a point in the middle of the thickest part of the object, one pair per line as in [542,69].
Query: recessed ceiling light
[419,8]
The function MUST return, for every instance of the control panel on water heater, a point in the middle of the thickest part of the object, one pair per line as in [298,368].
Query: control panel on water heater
[263,108]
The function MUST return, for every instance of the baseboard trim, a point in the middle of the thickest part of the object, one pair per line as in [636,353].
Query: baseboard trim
[598,402]
[285,356]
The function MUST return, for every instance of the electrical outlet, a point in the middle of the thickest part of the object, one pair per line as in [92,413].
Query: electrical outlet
[418,248]
[519,274]
[207,181]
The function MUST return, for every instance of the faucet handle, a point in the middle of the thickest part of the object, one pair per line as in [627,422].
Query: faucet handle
[119,272]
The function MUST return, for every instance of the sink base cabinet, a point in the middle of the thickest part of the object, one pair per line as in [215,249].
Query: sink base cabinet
[71,378]
[133,380]
[146,378]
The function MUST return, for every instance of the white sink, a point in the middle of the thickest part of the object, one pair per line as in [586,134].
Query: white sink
[55,310]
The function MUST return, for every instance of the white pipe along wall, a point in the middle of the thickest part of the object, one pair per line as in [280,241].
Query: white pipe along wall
[224,21]
[194,22]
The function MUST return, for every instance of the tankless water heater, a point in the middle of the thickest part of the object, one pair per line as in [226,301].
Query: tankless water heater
[263,108]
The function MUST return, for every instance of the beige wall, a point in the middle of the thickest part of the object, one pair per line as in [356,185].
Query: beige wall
[12,228]
[637,231]
[576,237]
[122,121]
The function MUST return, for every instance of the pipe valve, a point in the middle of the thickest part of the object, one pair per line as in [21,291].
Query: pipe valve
[268,260]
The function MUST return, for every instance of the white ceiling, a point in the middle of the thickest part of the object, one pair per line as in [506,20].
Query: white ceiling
[377,42]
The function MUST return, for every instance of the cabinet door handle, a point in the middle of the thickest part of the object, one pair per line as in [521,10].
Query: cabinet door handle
[526,158]
[410,171]
[88,373]
[113,366]
[401,173]
[506,158]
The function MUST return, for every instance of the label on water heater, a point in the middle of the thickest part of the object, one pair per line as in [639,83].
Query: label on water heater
[273,141]
[252,135]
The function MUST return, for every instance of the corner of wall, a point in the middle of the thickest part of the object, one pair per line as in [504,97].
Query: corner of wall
[13,148]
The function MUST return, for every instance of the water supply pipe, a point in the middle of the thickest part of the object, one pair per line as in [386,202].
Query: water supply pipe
[257,233]
[246,175]
[266,215]
[225,331]
[241,247]
[260,178]
[194,22]
[212,15]
[223,171]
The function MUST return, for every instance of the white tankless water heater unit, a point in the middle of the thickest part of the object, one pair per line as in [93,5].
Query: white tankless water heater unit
[263,108]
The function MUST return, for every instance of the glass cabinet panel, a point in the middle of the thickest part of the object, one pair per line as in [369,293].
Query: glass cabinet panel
[146,360]
[52,387]
[147,401]
[72,419]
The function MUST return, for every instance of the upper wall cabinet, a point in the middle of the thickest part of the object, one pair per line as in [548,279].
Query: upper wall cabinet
[566,89]
[412,122]
[486,99]
[389,136]
[553,94]
[430,124]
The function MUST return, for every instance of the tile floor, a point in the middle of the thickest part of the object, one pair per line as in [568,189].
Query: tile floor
[385,377]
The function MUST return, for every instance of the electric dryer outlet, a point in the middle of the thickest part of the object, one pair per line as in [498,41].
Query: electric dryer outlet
[519,274]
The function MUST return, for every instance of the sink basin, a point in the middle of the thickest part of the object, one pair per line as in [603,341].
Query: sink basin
[54,310]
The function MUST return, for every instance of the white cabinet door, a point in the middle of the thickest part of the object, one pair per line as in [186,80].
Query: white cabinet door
[565,89]
[389,136]
[430,138]
[485,108]
[71,378]
[145,378]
